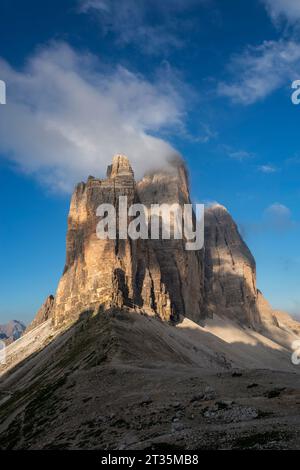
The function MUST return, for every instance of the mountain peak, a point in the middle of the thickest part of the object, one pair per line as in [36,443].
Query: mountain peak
[120,167]
[11,331]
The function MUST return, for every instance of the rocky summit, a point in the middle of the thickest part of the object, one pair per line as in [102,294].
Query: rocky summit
[146,345]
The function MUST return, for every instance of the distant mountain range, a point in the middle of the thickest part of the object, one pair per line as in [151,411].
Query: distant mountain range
[11,331]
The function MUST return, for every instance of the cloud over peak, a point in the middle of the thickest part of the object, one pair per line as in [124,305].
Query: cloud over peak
[67,114]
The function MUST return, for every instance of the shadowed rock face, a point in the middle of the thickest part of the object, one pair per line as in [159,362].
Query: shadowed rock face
[230,288]
[230,271]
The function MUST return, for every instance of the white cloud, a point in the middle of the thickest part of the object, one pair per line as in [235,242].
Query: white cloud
[267,169]
[66,115]
[240,155]
[260,70]
[154,26]
[283,9]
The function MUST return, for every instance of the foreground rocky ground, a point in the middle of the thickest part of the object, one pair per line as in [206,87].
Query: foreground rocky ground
[127,381]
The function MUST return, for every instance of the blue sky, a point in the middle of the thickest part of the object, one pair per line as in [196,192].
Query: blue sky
[206,78]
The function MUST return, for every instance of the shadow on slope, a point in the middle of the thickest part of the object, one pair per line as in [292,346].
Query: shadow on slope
[92,385]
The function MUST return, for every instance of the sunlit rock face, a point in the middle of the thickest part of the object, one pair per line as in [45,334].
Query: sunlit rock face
[97,272]
[158,276]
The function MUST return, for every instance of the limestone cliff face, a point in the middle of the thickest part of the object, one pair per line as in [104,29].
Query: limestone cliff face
[158,276]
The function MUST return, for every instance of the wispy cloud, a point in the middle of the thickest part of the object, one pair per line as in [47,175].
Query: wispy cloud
[269,169]
[98,5]
[237,154]
[294,160]
[152,25]
[279,10]
[206,134]
[259,71]
[67,114]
